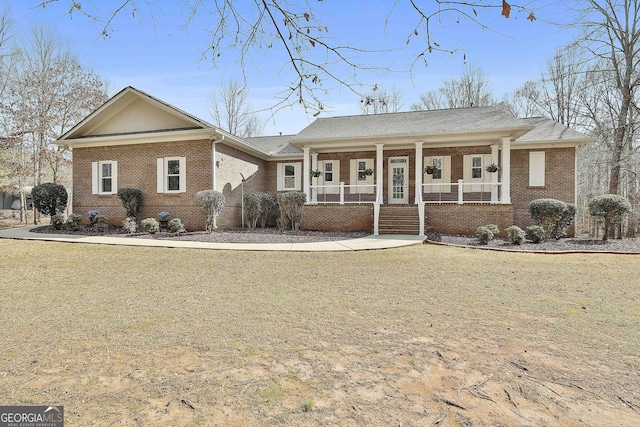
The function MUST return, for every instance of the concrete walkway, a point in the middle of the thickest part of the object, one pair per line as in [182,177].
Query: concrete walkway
[361,244]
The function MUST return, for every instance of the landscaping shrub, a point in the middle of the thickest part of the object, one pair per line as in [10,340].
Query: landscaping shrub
[535,234]
[175,226]
[268,208]
[484,234]
[129,225]
[101,223]
[57,221]
[93,213]
[559,230]
[150,225]
[132,200]
[74,222]
[290,205]
[252,209]
[551,215]
[516,235]
[609,209]
[211,203]
[49,199]
[493,228]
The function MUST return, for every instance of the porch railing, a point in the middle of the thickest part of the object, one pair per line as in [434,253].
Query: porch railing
[341,194]
[454,192]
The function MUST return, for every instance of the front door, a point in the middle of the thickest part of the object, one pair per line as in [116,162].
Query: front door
[398,180]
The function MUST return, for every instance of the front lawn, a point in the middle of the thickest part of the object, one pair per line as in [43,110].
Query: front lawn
[422,335]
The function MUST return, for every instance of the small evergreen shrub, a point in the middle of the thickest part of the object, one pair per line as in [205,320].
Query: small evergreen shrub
[535,233]
[549,214]
[560,228]
[74,222]
[268,208]
[150,225]
[57,221]
[93,213]
[49,199]
[132,200]
[516,235]
[493,228]
[484,234]
[175,226]
[101,223]
[129,225]
[291,205]
[211,203]
[609,209]
[252,209]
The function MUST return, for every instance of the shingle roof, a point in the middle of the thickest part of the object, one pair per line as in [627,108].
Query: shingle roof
[549,130]
[430,122]
[273,145]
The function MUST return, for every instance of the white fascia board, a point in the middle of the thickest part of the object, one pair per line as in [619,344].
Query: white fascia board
[138,138]
[552,144]
[285,157]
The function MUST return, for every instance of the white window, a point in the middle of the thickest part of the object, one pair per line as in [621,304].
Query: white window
[474,173]
[362,176]
[330,177]
[104,177]
[172,175]
[440,176]
[289,177]
[536,169]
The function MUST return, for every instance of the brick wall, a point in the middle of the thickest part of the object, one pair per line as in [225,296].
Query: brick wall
[338,217]
[137,169]
[465,219]
[559,181]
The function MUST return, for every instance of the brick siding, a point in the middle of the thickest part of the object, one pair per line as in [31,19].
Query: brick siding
[338,217]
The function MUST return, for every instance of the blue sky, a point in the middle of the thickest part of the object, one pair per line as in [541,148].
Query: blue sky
[164,60]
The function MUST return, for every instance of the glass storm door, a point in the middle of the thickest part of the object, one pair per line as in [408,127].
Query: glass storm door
[398,180]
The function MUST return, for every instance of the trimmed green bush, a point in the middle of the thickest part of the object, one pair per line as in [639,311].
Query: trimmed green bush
[175,226]
[494,229]
[609,209]
[535,234]
[74,222]
[132,200]
[516,235]
[150,225]
[129,225]
[484,234]
[211,203]
[252,209]
[101,223]
[554,216]
[49,199]
[268,208]
[291,205]
[57,221]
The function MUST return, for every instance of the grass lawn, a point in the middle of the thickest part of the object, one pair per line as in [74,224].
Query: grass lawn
[423,335]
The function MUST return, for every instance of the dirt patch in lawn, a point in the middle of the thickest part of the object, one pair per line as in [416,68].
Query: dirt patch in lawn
[418,336]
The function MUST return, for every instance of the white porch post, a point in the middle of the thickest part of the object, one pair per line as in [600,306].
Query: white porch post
[494,176]
[418,198]
[314,190]
[506,170]
[306,176]
[379,174]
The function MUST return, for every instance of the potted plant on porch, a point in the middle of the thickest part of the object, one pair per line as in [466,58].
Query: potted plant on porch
[368,171]
[316,173]
[492,168]
[430,170]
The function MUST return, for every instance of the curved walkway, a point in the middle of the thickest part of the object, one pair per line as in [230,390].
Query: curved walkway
[361,244]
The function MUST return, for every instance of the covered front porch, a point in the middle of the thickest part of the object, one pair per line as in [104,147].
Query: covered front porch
[395,175]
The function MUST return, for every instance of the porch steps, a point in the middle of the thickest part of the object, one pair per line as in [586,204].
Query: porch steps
[403,219]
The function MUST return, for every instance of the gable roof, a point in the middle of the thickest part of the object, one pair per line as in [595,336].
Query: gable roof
[132,111]
[414,123]
[548,130]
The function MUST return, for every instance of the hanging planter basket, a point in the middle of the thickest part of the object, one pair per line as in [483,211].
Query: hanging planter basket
[368,172]
[492,168]
[430,170]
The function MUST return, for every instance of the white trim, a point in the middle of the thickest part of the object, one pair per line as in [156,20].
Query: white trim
[162,175]
[479,184]
[445,175]
[335,177]
[281,168]
[96,177]
[404,160]
[537,166]
[357,185]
